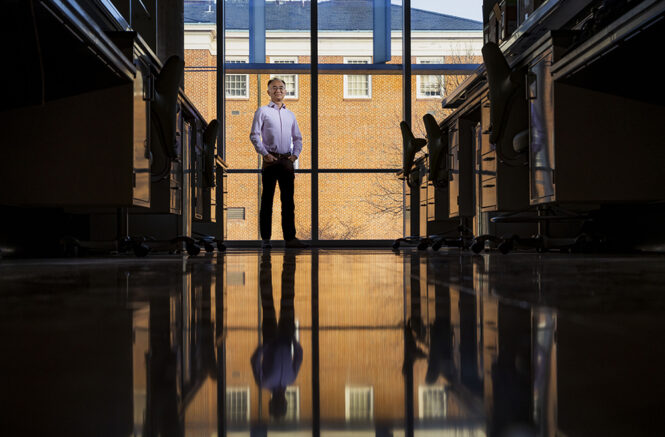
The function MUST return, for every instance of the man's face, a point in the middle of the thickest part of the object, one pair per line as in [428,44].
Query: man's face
[276,91]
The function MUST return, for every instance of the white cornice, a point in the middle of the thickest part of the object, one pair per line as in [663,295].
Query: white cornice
[357,43]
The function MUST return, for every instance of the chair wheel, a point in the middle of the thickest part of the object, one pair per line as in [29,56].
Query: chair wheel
[209,247]
[396,244]
[505,247]
[141,250]
[221,246]
[422,245]
[437,245]
[193,249]
[477,246]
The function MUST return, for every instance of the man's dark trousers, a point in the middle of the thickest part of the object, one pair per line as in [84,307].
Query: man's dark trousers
[279,172]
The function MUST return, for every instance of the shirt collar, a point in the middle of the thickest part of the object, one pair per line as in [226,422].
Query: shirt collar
[274,105]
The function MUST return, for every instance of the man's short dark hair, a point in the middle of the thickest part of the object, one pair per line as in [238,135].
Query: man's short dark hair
[274,79]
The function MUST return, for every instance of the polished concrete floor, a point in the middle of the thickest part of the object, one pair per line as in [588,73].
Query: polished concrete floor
[334,343]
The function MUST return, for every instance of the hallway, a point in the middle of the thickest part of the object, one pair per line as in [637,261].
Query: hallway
[333,342]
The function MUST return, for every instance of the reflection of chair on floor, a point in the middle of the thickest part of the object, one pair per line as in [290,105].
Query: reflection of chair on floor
[410,146]
[415,330]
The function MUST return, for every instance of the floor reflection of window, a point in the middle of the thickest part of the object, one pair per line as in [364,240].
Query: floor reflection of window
[432,401]
[293,404]
[359,403]
[237,405]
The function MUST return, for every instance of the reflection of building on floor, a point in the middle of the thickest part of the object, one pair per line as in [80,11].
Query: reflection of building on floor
[361,112]
[361,347]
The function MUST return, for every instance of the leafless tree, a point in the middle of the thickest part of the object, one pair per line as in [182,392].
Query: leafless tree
[386,197]
[335,230]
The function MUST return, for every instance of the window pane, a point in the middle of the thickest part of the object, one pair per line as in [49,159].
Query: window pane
[430,86]
[355,20]
[303,200]
[429,21]
[359,206]
[280,17]
[200,80]
[240,153]
[243,192]
[357,85]
[290,80]
[360,133]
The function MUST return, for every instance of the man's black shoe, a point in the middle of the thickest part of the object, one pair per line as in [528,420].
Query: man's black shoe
[295,244]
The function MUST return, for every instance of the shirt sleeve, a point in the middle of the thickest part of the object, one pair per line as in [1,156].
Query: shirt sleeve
[296,137]
[256,361]
[255,133]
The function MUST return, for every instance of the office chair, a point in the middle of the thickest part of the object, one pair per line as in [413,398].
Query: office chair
[410,146]
[163,117]
[439,175]
[209,138]
[509,117]
[509,132]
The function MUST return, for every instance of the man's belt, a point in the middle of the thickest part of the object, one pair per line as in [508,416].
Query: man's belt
[280,155]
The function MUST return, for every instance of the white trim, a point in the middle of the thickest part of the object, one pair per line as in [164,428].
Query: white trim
[367,60]
[288,59]
[242,59]
[295,389]
[242,390]
[348,390]
[442,90]
[422,389]
[200,36]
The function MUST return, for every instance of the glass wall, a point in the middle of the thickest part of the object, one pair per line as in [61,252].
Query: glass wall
[359,206]
[345,185]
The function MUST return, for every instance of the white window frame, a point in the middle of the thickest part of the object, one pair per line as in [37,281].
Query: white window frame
[364,390]
[419,82]
[237,59]
[287,60]
[422,391]
[368,60]
[243,390]
[292,389]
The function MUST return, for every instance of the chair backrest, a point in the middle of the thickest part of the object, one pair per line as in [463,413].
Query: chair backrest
[410,146]
[209,137]
[164,107]
[437,146]
[508,104]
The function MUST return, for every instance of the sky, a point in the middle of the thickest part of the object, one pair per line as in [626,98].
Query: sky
[460,8]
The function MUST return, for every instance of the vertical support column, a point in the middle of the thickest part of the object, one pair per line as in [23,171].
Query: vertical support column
[221,75]
[408,359]
[316,388]
[406,89]
[381,31]
[314,79]
[257,31]
[221,106]
[220,282]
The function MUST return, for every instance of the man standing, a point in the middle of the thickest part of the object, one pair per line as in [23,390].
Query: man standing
[273,130]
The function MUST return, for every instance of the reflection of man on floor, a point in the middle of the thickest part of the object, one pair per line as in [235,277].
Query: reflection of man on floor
[277,360]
